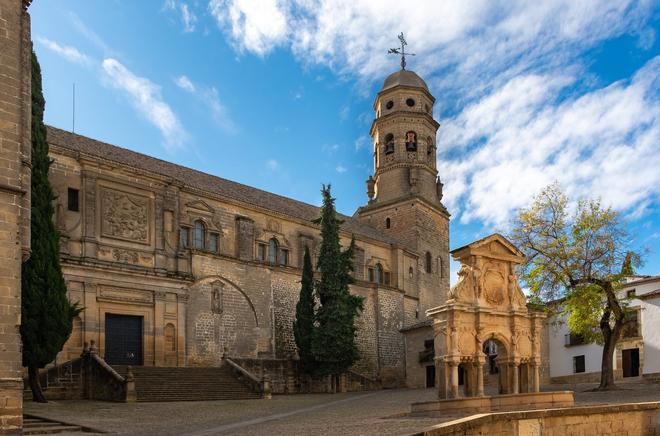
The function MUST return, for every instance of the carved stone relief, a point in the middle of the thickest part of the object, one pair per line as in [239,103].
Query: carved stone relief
[124,256]
[124,216]
[124,295]
[494,284]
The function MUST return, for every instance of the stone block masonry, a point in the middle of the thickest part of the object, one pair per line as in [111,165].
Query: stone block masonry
[608,420]
[15,146]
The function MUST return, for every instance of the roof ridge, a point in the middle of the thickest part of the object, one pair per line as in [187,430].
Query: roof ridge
[224,187]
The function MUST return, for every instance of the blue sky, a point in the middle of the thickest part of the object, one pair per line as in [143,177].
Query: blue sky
[279,94]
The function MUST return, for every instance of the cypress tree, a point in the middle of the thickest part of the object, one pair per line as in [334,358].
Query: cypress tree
[46,311]
[333,341]
[303,326]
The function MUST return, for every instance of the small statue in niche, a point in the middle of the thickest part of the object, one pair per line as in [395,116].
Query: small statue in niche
[411,141]
[438,188]
[216,297]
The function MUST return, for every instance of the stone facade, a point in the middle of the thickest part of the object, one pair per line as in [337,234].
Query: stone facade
[15,147]
[212,267]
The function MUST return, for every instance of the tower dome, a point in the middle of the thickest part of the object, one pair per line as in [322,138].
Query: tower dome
[404,78]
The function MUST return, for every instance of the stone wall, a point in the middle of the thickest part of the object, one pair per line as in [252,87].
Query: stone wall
[611,420]
[416,370]
[15,147]
[390,339]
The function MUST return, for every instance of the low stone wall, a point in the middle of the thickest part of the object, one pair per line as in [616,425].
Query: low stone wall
[533,400]
[609,420]
[285,378]
[585,377]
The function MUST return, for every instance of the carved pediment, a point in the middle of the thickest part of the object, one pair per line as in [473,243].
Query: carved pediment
[494,246]
[200,205]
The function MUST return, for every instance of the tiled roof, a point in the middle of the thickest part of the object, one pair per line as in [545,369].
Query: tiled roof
[207,182]
[426,323]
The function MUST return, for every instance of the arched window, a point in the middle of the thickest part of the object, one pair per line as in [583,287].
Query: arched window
[388,223]
[199,235]
[411,141]
[429,262]
[389,143]
[379,273]
[272,251]
[411,272]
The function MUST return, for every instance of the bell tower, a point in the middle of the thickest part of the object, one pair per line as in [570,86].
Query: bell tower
[405,191]
[403,135]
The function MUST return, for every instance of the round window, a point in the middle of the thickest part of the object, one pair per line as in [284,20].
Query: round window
[410,102]
[390,104]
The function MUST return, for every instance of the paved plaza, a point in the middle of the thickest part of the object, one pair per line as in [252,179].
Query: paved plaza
[361,413]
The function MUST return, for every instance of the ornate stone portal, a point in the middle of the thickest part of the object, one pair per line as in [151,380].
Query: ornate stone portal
[486,310]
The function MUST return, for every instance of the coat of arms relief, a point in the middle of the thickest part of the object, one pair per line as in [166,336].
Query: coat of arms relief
[125,216]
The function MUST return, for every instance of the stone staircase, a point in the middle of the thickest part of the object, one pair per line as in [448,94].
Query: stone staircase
[35,425]
[187,384]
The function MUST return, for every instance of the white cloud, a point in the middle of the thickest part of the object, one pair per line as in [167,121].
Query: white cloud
[69,53]
[344,112]
[272,165]
[146,98]
[188,18]
[481,42]
[501,150]
[209,96]
[341,169]
[90,35]
[184,83]
[256,26]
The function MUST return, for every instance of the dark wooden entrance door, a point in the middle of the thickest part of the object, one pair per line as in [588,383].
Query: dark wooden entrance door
[123,339]
[630,362]
[430,376]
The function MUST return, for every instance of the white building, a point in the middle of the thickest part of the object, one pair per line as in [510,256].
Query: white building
[637,352]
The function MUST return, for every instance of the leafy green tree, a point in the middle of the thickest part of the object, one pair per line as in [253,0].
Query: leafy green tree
[303,326]
[581,257]
[333,340]
[46,311]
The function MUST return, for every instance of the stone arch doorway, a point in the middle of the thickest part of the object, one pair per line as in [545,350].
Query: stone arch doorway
[495,360]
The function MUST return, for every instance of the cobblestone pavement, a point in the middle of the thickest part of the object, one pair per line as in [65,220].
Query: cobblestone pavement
[359,413]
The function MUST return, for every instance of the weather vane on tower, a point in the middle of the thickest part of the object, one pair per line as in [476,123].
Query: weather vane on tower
[401,51]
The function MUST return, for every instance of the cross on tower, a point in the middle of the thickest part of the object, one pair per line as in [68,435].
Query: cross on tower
[401,51]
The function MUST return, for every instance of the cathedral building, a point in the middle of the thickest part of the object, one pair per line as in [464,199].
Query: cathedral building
[175,267]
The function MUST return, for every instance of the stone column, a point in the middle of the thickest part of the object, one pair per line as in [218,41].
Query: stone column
[479,367]
[182,301]
[441,377]
[159,318]
[536,379]
[453,376]
[514,379]
[15,171]
[89,206]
